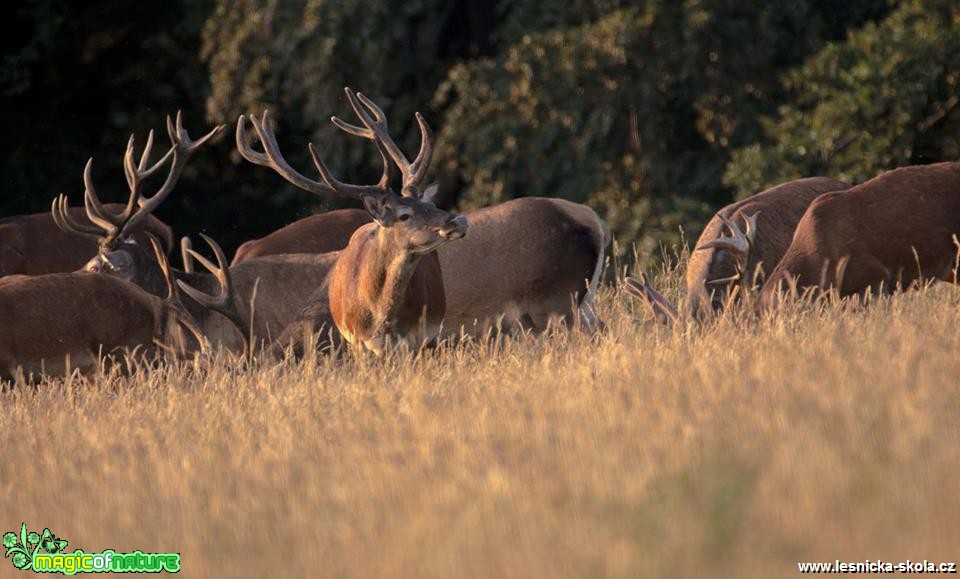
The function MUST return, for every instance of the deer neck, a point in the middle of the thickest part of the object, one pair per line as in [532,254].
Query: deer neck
[388,272]
[150,279]
[371,280]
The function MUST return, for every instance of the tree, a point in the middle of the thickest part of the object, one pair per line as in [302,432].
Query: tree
[632,106]
[885,96]
[633,112]
[79,80]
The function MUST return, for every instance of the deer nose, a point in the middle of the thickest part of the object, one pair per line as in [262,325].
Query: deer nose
[454,228]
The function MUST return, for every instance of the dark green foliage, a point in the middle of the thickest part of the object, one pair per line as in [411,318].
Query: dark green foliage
[886,96]
[654,112]
[633,112]
[78,79]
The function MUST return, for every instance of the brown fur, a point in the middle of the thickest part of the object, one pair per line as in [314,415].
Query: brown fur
[526,261]
[315,322]
[423,303]
[321,233]
[45,319]
[780,209]
[894,230]
[378,291]
[33,244]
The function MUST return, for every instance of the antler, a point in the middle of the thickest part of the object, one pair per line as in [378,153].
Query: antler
[223,302]
[104,221]
[183,149]
[173,299]
[376,130]
[185,246]
[739,244]
[661,308]
[273,158]
[109,227]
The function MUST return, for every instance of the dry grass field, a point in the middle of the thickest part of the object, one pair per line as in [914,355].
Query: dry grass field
[826,432]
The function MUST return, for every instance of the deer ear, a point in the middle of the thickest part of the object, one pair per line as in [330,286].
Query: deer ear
[378,210]
[431,193]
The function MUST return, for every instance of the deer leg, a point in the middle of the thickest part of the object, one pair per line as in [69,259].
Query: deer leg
[861,272]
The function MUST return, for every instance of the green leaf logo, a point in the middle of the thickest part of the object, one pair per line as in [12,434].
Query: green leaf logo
[17,547]
[22,548]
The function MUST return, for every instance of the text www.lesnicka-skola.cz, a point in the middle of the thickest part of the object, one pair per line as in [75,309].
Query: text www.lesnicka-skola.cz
[878,567]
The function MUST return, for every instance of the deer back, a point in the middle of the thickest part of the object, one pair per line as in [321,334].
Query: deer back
[49,317]
[34,245]
[282,285]
[321,233]
[529,259]
[897,228]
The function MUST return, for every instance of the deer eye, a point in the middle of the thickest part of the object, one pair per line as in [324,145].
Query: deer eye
[404,217]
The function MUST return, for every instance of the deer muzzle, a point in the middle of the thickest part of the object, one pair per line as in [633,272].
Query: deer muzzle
[454,228]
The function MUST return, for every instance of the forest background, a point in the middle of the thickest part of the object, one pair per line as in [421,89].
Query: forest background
[653,112]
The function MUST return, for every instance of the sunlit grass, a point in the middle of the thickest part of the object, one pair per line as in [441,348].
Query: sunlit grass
[735,449]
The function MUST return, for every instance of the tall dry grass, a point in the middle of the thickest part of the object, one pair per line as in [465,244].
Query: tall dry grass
[731,450]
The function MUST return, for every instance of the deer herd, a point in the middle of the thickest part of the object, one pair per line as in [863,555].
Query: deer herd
[83,286]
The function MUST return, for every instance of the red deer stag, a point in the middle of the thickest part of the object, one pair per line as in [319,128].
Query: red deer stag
[721,263]
[892,232]
[385,286]
[524,263]
[58,321]
[281,283]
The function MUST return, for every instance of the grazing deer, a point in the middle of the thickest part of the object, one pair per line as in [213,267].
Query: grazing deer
[892,232]
[723,265]
[385,286]
[281,282]
[57,321]
[34,245]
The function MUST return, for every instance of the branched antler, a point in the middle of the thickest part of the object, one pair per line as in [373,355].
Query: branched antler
[273,158]
[374,128]
[223,302]
[739,244]
[173,301]
[110,228]
[658,305]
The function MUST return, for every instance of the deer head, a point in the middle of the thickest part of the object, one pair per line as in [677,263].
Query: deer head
[739,244]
